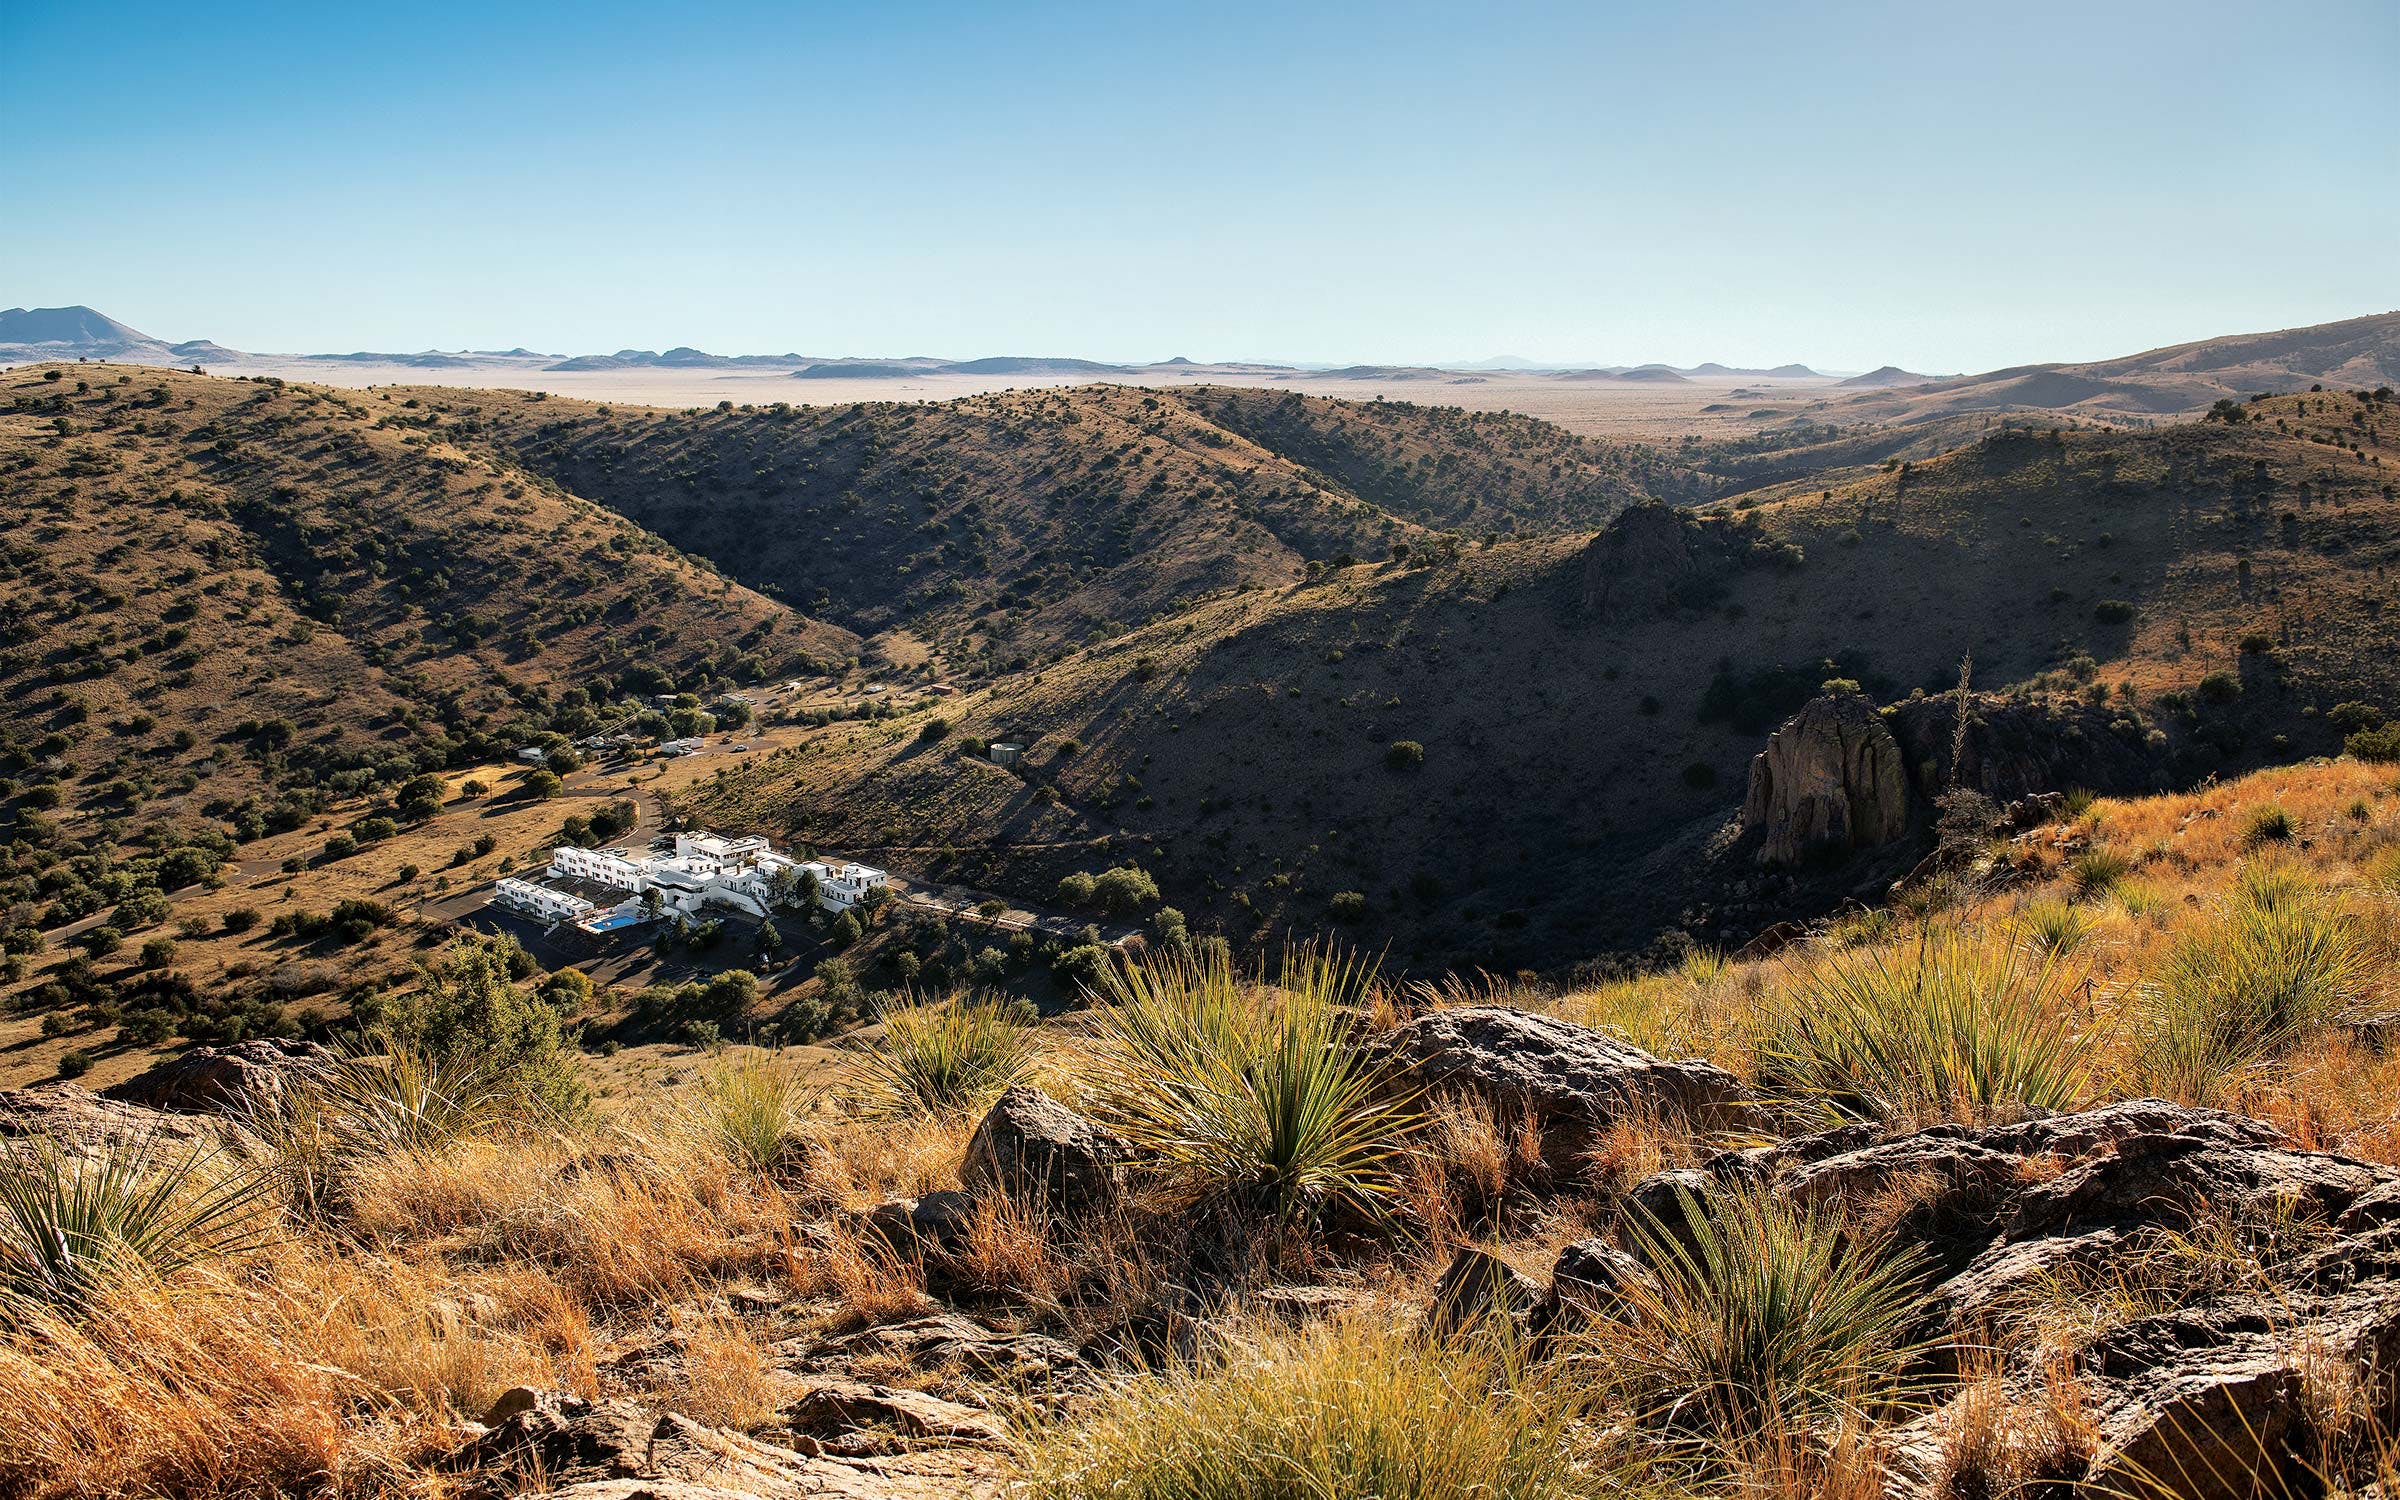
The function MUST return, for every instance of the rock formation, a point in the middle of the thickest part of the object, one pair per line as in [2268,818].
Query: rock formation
[1571,1079]
[210,1079]
[1032,1145]
[1829,781]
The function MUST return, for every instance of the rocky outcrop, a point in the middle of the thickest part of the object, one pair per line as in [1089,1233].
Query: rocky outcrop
[2018,748]
[1571,1079]
[1650,558]
[1030,1145]
[77,1119]
[565,1445]
[1831,780]
[213,1079]
[2214,1398]
[1479,1287]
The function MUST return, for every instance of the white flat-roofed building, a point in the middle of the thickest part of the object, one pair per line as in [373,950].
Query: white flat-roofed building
[739,873]
[540,902]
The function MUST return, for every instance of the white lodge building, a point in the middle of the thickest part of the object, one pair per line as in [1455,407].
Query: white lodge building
[705,870]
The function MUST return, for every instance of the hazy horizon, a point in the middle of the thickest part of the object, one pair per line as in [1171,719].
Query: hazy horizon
[1864,185]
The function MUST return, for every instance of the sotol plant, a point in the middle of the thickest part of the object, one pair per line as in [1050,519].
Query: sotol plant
[1249,1095]
[1956,1024]
[945,1057]
[71,1223]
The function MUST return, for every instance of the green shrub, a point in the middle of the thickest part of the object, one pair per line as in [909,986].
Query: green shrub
[2113,611]
[752,1107]
[2379,746]
[945,1058]
[1954,1026]
[2272,966]
[2096,870]
[1404,755]
[1075,889]
[467,1005]
[1123,889]
[2219,687]
[1347,906]
[1767,1318]
[2267,825]
[74,1063]
[1248,1098]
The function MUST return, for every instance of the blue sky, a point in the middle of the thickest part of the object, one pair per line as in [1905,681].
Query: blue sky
[1936,185]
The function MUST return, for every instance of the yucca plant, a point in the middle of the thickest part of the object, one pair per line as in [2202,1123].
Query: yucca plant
[1248,1095]
[752,1107]
[945,1057]
[72,1222]
[366,1104]
[1954,1025]
[2268,825]
[1765,1317]
[2095,871]
[2054,927]
[2272,966]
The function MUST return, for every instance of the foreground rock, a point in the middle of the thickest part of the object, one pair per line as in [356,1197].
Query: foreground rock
[617,1450]
[214,1079]
[1573,1081]
[1030,1145]
[1831,780]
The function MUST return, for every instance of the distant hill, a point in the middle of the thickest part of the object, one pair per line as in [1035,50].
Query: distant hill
[1024,521]
[72,332]
[1888,375]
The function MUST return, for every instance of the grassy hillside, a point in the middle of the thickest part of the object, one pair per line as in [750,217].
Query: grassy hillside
[335,1308]
[1002,527]
[2222,586]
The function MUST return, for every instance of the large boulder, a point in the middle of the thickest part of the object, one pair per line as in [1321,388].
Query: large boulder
[1572,1080]
[1478,1289]
[1030,1145]
[1831,780]
[209,1080]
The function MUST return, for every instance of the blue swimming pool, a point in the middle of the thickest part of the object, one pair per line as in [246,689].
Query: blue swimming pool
[612,922]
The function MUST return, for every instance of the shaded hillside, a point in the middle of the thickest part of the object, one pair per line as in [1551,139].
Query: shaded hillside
[1587,715]
[1476,473]
[1016,522]
[221,593]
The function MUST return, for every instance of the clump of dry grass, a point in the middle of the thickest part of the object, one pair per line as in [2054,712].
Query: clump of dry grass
[1351,1406]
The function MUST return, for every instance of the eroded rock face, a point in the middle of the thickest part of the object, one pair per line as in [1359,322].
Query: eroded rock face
[1030,1145]
[213,1079]
[621,1450]
[1831,780]
[77,1119]
[1572,1079]
[1643,562]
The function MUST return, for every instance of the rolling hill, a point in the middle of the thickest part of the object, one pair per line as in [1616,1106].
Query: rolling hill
[1587,707]
[1008,526]
[221,600]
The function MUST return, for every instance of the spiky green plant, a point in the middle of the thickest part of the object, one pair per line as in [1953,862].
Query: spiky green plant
[2273,965]
[1704,966]
[2096,871]
[71,1222]
[1251,1095]
[1765,1317]
[1349,1407]
[753,1106]
[368,1103]
[2267,825]
[945,1057]
[1953,1025]
[2054,927]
